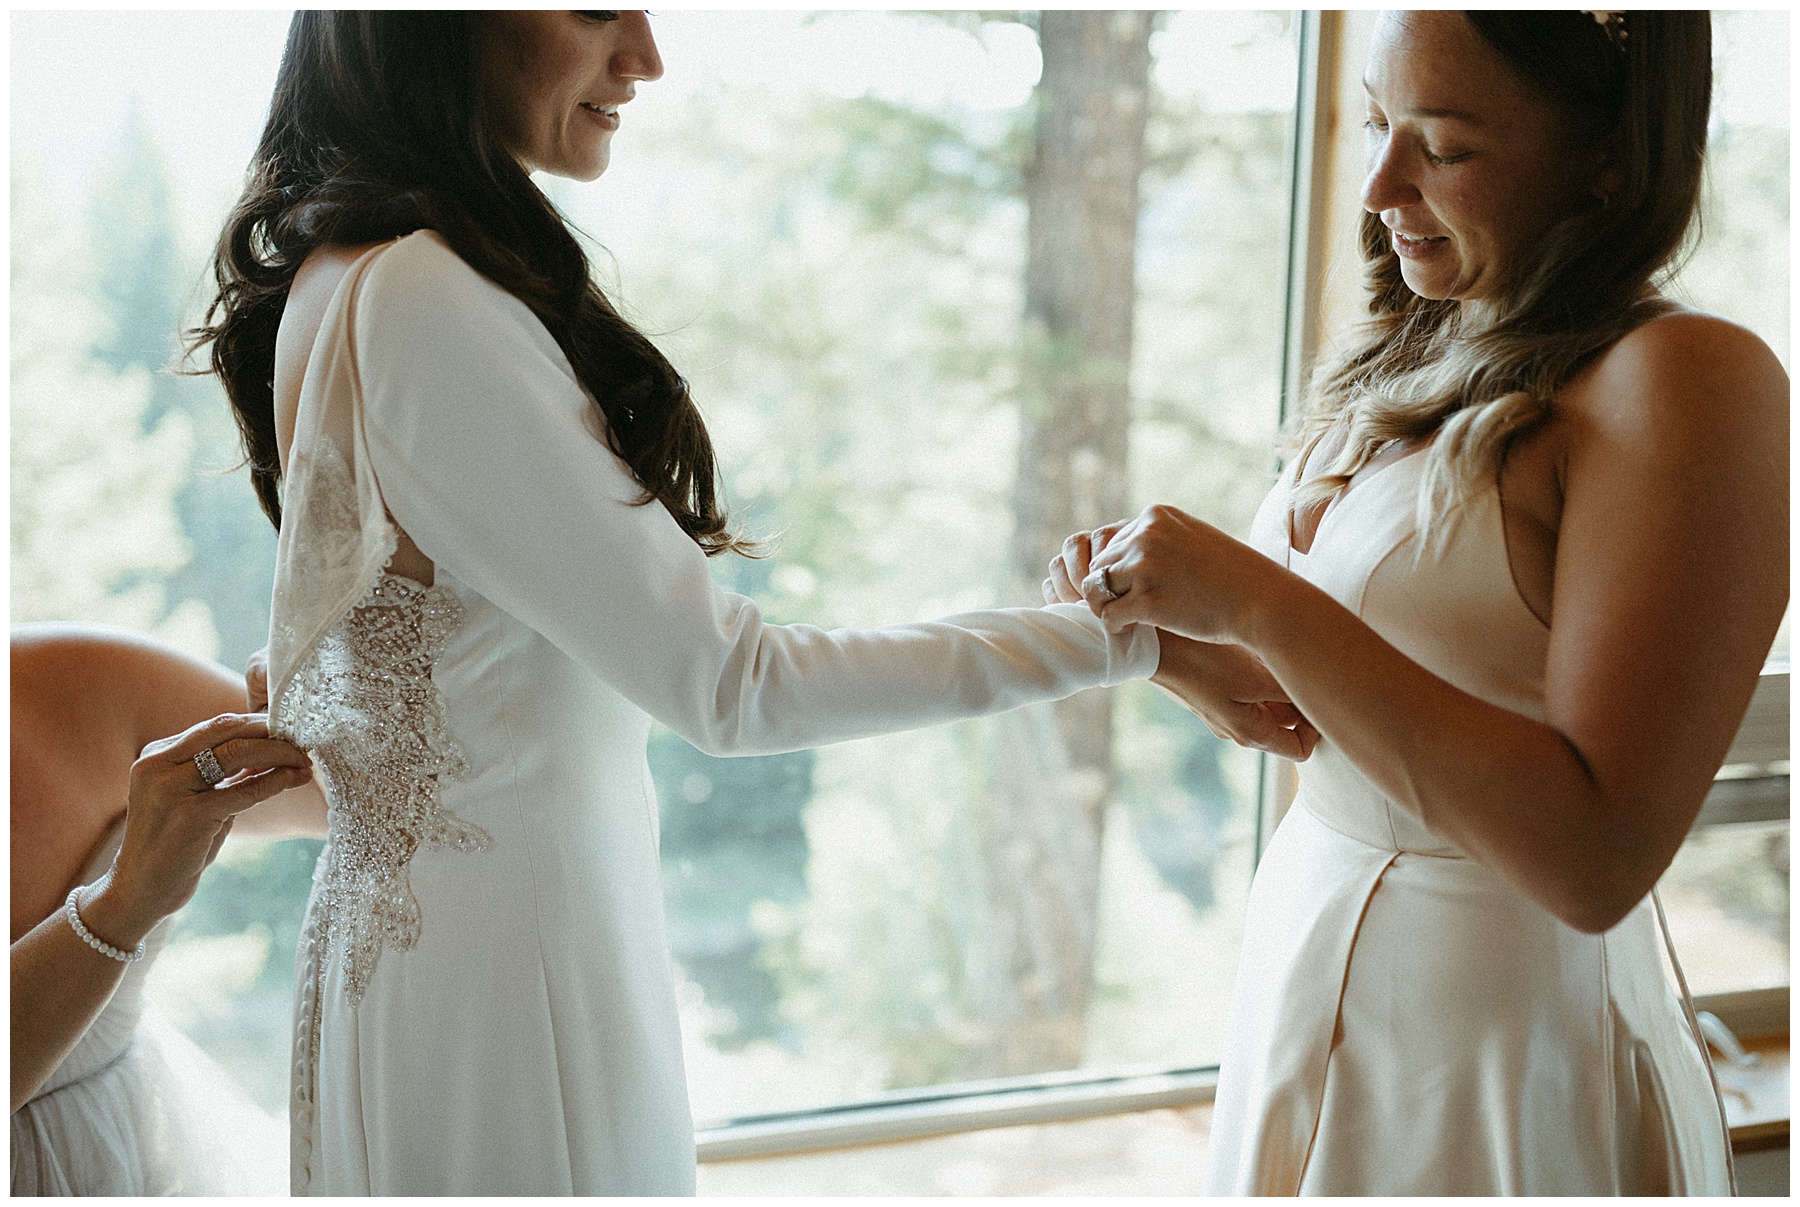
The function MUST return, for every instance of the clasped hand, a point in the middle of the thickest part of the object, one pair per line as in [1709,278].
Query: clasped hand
[1162,568]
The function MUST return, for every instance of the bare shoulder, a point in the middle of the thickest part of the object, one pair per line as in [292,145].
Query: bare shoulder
[89,677]
[1688,375]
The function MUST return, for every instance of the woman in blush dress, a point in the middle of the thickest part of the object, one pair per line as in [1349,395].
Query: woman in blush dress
[1521,578]
[496,502]
[113,822]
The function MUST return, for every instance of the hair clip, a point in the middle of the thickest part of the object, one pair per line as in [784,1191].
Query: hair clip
[1612,21]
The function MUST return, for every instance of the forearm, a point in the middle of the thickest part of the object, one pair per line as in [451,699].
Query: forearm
[1512,792]
[59,987]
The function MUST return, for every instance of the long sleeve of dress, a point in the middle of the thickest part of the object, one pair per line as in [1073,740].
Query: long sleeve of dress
[487,453]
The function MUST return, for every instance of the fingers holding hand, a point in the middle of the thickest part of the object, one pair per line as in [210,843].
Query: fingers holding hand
[1060,587]
[1178,573]
[1071,566]
[1237,697]
[256,680]
[1262,727]
[1277,729]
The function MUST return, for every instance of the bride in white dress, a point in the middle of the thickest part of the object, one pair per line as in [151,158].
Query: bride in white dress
[1521,580]
[495,502]
[112,824]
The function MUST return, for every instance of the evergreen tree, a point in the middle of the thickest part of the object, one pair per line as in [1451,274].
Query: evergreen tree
[142,278]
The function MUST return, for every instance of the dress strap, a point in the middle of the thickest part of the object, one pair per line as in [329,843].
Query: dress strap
[1693,1020]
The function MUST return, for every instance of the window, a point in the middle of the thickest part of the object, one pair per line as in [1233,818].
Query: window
[823,218]
[1727,892]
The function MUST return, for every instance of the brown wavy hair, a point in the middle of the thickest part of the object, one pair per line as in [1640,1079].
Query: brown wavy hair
[377,129]
[1423,369]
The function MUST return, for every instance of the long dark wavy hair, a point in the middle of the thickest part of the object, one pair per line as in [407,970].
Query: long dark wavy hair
[377,128]
[1420,369]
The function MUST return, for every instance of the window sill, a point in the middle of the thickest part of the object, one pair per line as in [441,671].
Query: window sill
[1131,1135]
[1756,1098]
[1049,1099]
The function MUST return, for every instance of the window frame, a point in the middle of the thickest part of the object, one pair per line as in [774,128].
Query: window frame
[1086,1093]
[1325,177]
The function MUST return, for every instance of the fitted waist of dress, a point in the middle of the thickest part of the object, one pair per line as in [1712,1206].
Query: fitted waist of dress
[1341,797]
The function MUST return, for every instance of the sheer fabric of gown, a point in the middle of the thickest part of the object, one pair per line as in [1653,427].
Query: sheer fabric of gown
[1405,1021]
[485,1002]
[137,1109]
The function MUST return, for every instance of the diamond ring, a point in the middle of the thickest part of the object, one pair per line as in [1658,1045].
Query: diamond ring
[208,764]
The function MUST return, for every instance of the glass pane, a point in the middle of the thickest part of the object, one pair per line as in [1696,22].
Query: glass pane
[950,905]
[1727,899]
[821,217]
[130,132]
[1740,269]
[1727,891]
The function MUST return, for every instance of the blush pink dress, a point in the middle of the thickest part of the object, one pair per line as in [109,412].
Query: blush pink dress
[1406,1021]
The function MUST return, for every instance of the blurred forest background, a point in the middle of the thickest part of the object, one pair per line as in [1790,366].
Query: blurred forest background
[929,341]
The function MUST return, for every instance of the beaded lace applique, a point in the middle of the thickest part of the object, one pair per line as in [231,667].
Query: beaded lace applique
[364,704]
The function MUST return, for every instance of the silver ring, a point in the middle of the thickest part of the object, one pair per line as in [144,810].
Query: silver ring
[210,771]
[1106,588]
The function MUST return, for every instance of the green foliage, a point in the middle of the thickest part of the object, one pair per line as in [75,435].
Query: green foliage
[933,175]
[135,282]
[853,331]
[1181,828]
[95,534]
[141,281]
[254,885]
[731,837]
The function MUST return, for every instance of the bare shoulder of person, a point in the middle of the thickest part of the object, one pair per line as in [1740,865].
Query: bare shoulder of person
[122,680]
[1690,376]
[72,747]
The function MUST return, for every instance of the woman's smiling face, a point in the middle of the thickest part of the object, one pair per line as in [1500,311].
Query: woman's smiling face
[555,81]
[1467,168]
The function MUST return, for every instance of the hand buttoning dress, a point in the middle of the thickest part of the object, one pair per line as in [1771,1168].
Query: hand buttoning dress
[1406,1021]
[484,1002]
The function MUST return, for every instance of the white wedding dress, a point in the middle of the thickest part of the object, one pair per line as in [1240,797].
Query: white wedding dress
[136,1109]
[485,1003]
[1406,1022]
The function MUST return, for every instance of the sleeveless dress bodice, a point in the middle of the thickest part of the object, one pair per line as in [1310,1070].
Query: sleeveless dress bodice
[1406,1021]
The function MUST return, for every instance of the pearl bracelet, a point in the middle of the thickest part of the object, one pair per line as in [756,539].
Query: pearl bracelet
[87,936]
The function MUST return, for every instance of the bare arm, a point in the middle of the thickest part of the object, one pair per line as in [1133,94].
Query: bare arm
[169,690]
[1670,580]
[174,827]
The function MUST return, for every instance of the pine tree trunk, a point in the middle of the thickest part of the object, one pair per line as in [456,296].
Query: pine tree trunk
[1082,197]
